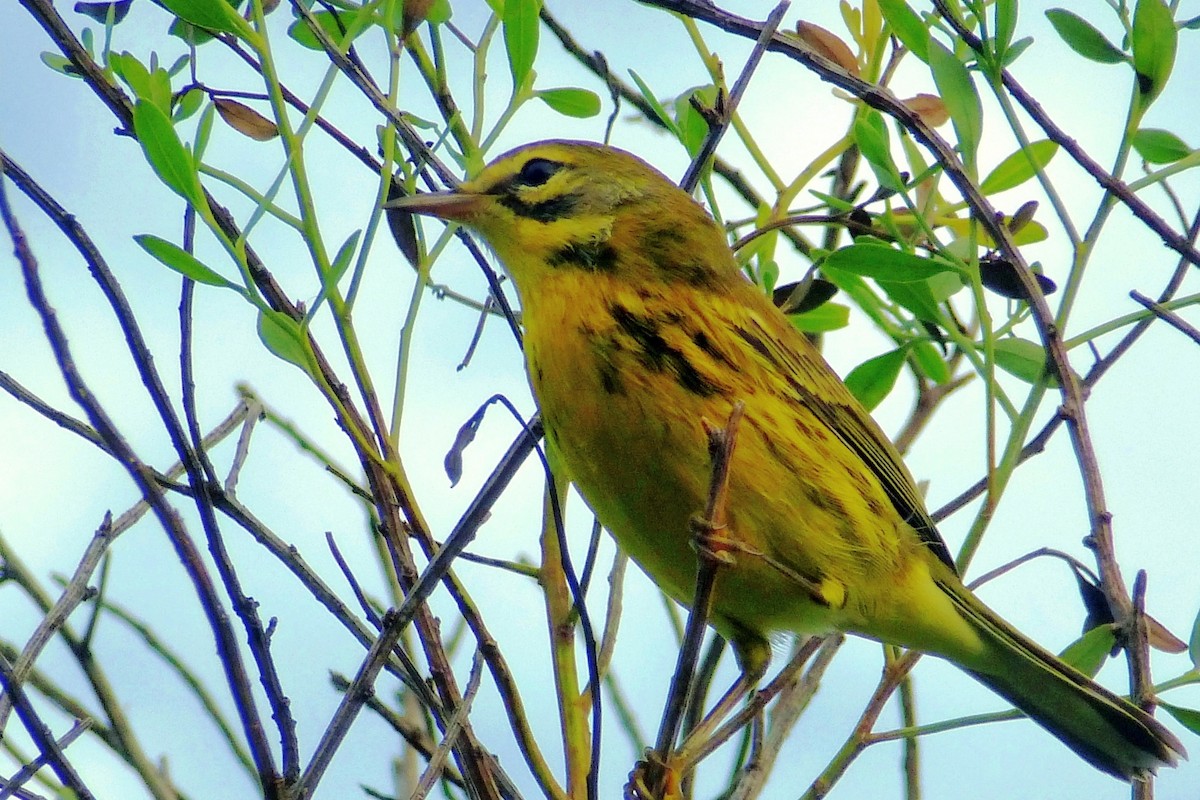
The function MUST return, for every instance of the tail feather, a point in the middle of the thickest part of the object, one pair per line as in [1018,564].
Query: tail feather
[1106,730]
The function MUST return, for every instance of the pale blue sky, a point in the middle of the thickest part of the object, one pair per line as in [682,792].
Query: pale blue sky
[54,489]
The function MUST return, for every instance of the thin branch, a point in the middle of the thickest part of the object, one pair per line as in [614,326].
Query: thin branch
[708,532]
[356,695]
[1170,317]
[75,592]
[22,776]
[41,735]
[726,109]
[142,476]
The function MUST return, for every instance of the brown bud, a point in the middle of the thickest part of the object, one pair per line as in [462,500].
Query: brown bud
[827,45]
[415,12]
[1023,216]
[929,108]
[245,120]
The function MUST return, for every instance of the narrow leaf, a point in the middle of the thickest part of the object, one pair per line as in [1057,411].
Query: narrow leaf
[931,364]
[335,28]
[213,15]
[907,27]
[871,136]
[885,263]
[341,261]
[284,338]
[1006,23]
[1186,717]
[571,102]
[166,154]
[1194,643]
[1088,652]
[1021,358]
[827,317]
[1019,167]
[183,262]
[1082,37]
[872,380]
[1159,147]
[59,63]
[188,104]
[656,106]
[521,37]
[1153,41]
[962,101]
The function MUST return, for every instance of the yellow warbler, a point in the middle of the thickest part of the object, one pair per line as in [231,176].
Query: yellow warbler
[638,325]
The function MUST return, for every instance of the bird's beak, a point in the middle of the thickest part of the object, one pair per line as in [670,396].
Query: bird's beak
[455,206]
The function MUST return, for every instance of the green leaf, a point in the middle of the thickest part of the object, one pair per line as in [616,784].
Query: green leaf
[825,317]
[183,262]
[1088,652]
[189,33]
[151,84]
[656,106]
[1015,49]
[1184,716]
[571,102]
[907,26]
[1006,24]
[872,380]
[59,63]
[166,154]
[284,337]
[439,12]
[204,132]
[881,262]
[1153,41]
[132,71]
[957,91]
[335,28]
[1022,358]
[521,37]
[871,135]
[1082,37]
[930,361]
[179,65]
[1019,167]
[692,127]
[213,15]
[188,104]
[1194,643]
[1159,147]
[917,297]
[337,269]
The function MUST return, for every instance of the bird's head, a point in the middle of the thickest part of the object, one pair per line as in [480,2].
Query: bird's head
[575,204]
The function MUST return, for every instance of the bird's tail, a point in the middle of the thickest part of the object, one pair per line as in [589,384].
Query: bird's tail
[1106,730]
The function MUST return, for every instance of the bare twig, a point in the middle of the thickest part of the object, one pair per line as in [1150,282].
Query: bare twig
[142,476]
[75,592]
[41,735]
[13,785]
[356,695]
[711,556]
[1170,317]
[437,762]
[725,111]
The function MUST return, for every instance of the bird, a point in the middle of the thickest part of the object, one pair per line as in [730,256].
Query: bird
[638,327]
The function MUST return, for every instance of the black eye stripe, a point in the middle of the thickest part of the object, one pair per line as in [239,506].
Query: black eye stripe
[536,171]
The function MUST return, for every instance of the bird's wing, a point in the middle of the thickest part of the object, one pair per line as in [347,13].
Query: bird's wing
[818,387]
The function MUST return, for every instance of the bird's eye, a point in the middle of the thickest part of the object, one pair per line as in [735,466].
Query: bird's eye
[537,171]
